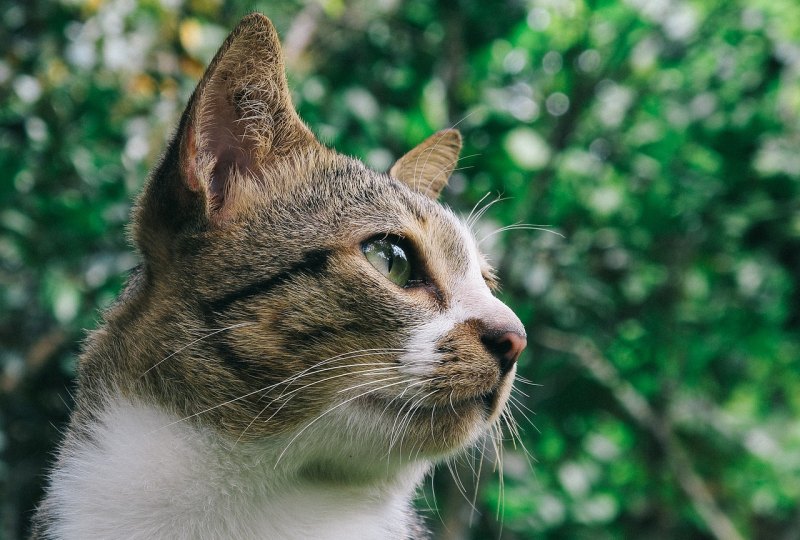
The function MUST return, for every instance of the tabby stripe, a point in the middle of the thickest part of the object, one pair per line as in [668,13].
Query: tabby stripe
[313,262]
[230,357]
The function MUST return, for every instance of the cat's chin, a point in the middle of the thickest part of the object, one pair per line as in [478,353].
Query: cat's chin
[437,430]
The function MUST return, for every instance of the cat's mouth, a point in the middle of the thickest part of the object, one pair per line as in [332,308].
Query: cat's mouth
[442,423]
[488,403]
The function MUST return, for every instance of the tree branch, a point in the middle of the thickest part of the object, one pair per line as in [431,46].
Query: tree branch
[637,407]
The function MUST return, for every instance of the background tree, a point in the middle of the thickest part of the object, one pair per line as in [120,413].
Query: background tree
[656,140]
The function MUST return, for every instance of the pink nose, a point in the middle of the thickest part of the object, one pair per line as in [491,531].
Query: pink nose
[505,347]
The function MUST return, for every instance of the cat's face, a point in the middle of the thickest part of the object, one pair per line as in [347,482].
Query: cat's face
[339,303]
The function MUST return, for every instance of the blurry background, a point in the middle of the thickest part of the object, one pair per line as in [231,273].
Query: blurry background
[661,138]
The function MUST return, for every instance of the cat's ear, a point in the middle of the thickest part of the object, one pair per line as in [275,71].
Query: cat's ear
[241,121]
[428,166]
[238,139]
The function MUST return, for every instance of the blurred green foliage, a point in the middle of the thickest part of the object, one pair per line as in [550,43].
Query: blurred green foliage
[658,138]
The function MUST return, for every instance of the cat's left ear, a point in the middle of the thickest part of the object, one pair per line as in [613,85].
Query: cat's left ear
[242,130]
[239,141]
[428,167]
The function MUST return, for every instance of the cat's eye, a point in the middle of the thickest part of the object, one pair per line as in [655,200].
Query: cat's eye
[389,258]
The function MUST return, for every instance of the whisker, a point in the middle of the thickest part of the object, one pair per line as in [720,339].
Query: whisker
[390,366]
[437,175]
[310,371]
[465,167]
[396,431]
[294,392]
[517,390]
[389,404]
[416,407]
[493,440]
[408,417]
[519,402]
[351,354]
[433,411]
[215,332]
[514,428]
[471,212]
[456,478]
[425,497]
[520,226]
[268,387]
[483,457]
[501,501]
[209,409]
[523,380]
[460,484]
[433,494]
[359,385]
[328,412]
[292,380]
[256,417]
[484,209]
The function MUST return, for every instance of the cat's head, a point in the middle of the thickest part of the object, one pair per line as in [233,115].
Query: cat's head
[300,295]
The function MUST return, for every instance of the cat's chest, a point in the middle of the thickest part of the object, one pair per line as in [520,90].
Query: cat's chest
[318,514]
[139,479]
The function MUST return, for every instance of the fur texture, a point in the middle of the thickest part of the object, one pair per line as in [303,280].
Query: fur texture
[259,377]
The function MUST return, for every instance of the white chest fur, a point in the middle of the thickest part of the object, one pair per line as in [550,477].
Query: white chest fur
[139,479]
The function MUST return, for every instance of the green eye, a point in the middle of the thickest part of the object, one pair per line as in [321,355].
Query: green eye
[389,259]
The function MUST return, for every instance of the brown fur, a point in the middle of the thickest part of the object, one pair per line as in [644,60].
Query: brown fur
[252,272]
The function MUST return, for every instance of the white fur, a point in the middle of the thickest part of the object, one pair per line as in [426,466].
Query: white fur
[471,299]
[146,476]
[422,357]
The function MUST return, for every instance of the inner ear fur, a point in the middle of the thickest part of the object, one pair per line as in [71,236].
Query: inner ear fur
[242,123]
[238,139]
[428,166]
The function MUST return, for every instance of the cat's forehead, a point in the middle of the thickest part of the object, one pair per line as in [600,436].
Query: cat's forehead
[358,186]
[341,203]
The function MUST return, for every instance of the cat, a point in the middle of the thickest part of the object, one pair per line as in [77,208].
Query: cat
[304,338]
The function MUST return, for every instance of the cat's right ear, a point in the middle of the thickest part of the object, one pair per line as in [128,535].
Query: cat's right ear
[428,166]
[238,139]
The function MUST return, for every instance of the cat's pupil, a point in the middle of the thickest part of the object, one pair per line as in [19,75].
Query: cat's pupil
[390,261]
[386,255]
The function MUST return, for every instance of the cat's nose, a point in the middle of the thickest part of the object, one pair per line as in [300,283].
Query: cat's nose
[505,346]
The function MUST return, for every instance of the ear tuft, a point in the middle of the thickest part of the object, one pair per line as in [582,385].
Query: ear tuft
[239,140]
[241,118]
[428,166]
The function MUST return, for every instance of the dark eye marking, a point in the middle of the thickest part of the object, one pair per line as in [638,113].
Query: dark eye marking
[312,262]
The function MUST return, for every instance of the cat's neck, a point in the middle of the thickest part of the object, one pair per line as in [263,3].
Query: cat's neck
[142,474]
